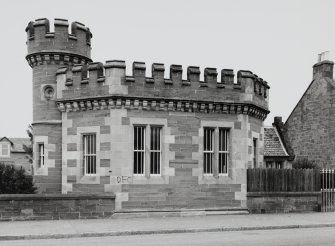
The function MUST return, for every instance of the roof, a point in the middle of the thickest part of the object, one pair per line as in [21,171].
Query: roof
[17,143]
[273,146]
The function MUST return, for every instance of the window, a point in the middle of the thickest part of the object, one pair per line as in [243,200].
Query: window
[4,149]
[279,164]
[223,150]
[274,164]
[139,149]
[154,147]
[216,150]
[208,150]
[255,152]
[90,154]
[155,150]
[41,155]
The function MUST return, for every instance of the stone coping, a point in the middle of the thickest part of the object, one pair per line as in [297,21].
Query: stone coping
[25,197]
[283,194]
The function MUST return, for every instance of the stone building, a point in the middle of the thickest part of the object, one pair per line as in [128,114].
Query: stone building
[310,129]
[13,153]
[275,153]
[155,142]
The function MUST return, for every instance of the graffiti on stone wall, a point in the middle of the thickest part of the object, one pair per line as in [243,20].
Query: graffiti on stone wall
[121,179]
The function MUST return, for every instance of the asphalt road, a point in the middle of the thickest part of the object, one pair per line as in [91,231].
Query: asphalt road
[310,236]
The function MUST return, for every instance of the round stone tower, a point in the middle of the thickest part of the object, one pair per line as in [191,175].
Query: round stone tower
[48,51]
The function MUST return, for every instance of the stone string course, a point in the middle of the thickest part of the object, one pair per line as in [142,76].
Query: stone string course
[163,105]
[56,58]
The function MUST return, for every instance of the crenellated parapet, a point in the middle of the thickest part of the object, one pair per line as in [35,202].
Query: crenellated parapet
[99,86]
[60,46]
[95,72]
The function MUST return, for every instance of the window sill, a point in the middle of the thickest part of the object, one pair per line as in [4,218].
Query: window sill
[223,175]
[90,175]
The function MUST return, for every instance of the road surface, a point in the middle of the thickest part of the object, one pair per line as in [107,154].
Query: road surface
[310,236]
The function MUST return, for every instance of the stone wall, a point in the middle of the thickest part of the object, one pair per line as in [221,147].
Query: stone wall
[48,177]
[283,202]
[55,207]
[108,103]
[310,127]
[182,183]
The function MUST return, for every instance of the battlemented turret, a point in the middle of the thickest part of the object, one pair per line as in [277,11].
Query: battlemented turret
[60,46]
[47,52]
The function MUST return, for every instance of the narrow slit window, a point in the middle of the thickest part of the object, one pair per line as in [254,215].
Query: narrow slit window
[90,154]
[223,151]
[155,150]
[139,149]
[255,152]
[41,155]
[208,150]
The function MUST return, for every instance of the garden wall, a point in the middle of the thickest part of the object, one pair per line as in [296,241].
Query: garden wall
[55,206]
[283,202]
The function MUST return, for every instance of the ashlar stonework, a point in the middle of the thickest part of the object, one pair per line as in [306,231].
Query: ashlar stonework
[157,143]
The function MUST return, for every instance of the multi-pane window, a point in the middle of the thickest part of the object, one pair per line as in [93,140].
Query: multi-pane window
[208,150]
[153,146]
[41,155]
[4,149]
[223,150]
[155,150]
[90,154]
[139,149]
[216,150]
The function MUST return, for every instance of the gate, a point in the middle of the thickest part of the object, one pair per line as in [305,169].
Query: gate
[327,183]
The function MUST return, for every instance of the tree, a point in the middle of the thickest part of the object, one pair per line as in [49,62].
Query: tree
[304,164]
[15,181]
[29,149]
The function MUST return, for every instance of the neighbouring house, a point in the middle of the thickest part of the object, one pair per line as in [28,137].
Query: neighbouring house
[13,153]
[275,153]
[157,143]
[310,128]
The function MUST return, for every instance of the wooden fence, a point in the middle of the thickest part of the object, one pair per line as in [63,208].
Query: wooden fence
[283,180]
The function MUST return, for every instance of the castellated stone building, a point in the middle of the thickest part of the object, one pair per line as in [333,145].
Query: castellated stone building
[155,142]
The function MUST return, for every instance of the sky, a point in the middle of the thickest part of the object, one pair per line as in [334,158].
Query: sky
[277,40]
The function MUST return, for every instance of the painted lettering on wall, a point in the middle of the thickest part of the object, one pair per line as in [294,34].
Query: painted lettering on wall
[121,179]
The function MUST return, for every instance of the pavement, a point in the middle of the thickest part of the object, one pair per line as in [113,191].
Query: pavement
[19,230]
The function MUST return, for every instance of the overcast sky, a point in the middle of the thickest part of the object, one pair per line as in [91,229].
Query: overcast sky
[277,40]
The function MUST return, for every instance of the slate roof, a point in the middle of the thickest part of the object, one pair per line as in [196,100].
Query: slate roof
[273,145]
[17,143]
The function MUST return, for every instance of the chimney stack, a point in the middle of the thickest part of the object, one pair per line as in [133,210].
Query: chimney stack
[324,67]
